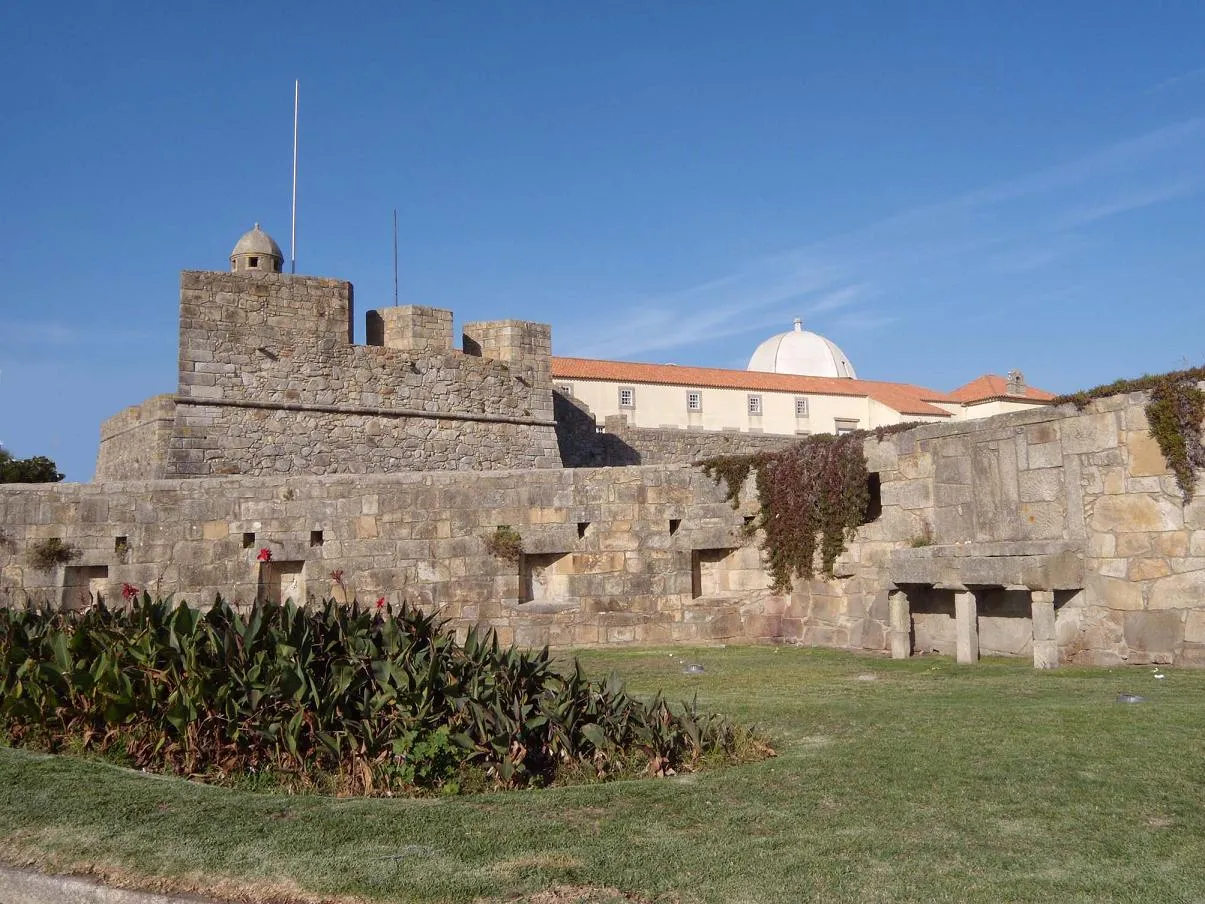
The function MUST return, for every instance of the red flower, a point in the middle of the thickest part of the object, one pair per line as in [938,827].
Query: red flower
[265,555]
[337,576]
[381,602]
[129,592]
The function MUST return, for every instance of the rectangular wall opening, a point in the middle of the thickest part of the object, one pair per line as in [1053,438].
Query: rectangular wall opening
[874,498]
[674,524]
[281,581]
[84,585]
[121,548]
[582,528]
[932,616]
[315,538]
[709,571]
[545,577]
[1005,622]
[248,539]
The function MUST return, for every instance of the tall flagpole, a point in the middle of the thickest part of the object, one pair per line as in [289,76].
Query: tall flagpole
[293,248]
[395,257]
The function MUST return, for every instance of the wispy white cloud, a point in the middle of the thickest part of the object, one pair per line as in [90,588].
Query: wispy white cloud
[954,247]
[1177,81]
[1127,202]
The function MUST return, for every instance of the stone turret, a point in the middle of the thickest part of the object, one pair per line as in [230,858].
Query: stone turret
[256,250]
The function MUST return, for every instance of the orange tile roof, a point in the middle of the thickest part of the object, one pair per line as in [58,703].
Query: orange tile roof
[902,397]
[990,387]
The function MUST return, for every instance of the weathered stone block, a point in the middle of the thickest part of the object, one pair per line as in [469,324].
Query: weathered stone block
[1089,433]
[1153,633]
[1136,513]
[1113,593]
[1179,591]
[1145,456]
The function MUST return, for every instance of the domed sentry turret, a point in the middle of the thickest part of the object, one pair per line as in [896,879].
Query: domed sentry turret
[256,250]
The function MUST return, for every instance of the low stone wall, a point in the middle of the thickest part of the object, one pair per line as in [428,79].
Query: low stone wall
[620,555]
[1076,509]
[584,445]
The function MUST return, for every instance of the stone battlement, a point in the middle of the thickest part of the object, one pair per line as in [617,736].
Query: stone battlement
[271,382]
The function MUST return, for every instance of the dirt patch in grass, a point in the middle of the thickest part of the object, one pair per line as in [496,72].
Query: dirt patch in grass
[571,894]
[550,860]
[29,854]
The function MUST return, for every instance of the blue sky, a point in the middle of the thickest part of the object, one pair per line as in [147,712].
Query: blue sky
[943,189]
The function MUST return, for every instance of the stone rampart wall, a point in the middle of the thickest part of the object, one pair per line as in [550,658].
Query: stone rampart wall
[647,554]
[134,442]
[583,445]
[665,445]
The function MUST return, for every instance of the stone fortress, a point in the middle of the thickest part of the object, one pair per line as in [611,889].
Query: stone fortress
[382,470]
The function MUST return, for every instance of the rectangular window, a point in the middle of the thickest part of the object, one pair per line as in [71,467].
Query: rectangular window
[755,406]
[801,407]
[844,426]
[694,401]
[627,397]
[565,389]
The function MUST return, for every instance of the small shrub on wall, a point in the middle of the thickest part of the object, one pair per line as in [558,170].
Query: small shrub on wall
[505,543]
[46,555]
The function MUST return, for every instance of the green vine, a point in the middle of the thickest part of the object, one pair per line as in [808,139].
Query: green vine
[813,496]
[1175,413]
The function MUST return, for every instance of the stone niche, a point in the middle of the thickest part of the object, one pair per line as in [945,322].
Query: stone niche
[281,581]
[545,578]
[84,585]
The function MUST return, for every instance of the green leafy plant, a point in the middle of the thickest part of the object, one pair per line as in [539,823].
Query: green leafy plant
[46,555]
[340,698]
[38,469]
[505,543]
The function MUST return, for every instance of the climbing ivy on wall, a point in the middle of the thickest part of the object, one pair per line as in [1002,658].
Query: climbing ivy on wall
[813,497]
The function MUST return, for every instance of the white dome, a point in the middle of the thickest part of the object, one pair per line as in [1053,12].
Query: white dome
[801,352]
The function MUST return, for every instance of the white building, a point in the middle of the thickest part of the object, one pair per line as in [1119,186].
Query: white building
[797,382]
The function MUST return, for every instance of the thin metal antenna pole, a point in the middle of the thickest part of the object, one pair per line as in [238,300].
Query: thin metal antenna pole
[296,103]
[395,257]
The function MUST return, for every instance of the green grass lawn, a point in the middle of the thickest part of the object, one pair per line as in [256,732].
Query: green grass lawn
[932,782]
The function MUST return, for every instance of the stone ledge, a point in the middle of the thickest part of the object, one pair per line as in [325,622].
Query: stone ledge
[1036,564]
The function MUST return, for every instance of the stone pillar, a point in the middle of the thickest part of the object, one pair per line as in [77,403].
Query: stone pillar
[1045,646]
[966,626]
[901,624]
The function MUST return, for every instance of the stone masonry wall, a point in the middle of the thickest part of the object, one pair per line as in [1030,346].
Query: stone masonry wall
[1079,505]
[647,554]
[583,445]
[134,442]
[271,383]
